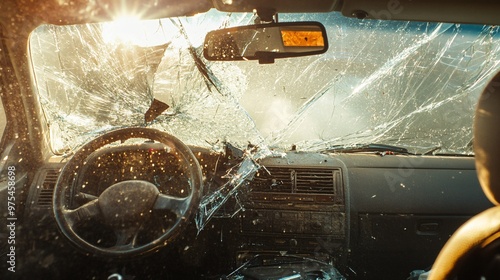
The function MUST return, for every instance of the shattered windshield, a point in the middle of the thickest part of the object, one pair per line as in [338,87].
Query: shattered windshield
[412,85]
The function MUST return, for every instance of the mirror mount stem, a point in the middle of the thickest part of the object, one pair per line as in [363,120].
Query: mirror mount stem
[266,15]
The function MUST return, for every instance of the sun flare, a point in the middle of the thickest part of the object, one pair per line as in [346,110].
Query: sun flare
[132,30]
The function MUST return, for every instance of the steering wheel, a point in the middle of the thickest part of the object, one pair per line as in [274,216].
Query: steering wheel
[125,206]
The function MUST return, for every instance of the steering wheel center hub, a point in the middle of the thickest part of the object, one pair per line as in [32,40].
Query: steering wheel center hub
[127,203]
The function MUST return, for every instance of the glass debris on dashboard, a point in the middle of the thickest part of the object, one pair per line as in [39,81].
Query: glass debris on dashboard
[285,267]
[237,176]
[377,84]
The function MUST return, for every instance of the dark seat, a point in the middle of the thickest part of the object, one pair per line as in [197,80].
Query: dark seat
[473,251]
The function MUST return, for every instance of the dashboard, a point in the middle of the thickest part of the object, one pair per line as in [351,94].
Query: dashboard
[369,215]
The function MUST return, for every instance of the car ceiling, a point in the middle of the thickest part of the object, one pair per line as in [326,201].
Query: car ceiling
[82,11]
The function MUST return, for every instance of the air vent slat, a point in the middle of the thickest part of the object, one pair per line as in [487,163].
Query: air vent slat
[47,190]
[45,198]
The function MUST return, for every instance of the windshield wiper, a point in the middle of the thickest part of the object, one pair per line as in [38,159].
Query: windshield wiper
[362,148]
[432,151]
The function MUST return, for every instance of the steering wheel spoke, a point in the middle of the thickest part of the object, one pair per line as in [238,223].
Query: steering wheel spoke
[175,204]
[85,197]
[126,238]
[82,213]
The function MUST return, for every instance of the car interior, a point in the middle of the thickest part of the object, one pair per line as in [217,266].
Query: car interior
[104,176]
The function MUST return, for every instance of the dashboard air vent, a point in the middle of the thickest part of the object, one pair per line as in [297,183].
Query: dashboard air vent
[314,182]
[273,180]
[47,190]
[298,180]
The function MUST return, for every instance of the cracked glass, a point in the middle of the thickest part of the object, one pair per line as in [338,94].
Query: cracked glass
[407,84]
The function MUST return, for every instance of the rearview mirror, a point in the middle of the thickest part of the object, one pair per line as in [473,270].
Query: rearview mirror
[265,42]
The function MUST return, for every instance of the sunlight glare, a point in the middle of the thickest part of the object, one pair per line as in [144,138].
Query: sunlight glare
[132,30]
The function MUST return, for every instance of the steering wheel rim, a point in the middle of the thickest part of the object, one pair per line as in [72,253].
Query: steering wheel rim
[67,218]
